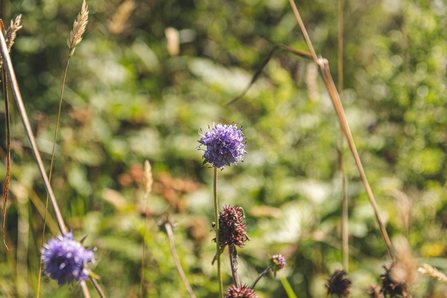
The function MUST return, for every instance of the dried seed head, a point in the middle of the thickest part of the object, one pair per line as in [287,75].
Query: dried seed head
[11,34]
[374,291]
[338,284]
[147,177]
[243,292]
[78,28]
[394,281]
[232,227]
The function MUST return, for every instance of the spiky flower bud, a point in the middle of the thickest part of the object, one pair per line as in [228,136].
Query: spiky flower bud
[224,145]
[243,292]
[65,259]
[278,261]
[232,227]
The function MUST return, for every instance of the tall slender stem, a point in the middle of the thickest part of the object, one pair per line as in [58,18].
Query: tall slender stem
[21,107]
[327,78]
[287,287]
[176,260]
[97,287]
[261,275]
[51,170]
[146,196]
[216,218]
[85,289]
[8,151]
[344,208]
[233,261]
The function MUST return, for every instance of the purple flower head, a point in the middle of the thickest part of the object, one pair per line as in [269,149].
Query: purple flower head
[242,292]
[278,261]
[224,145]
[65,259]
[232,227]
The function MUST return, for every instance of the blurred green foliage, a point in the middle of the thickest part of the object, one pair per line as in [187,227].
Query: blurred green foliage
[128,99]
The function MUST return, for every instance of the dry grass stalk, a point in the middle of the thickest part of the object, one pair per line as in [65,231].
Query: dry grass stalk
[148,180]
[78,28]
[323,66]
[429,271]
[119,20]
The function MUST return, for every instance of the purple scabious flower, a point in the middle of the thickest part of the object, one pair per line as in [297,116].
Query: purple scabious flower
[224,145]
[242,292]
[65,259]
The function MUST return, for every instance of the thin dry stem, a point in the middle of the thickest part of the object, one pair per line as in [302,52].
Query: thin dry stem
[344,198]
[51,170]
[97,287]
[78,28]
[8,152]
[176,259]
[303,30]
[323,64]
[429,271]
[148,180]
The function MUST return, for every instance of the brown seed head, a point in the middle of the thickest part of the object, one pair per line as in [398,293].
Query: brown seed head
[394,281]
[338,284]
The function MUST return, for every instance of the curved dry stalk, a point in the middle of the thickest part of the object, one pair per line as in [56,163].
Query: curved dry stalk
[323,66]
[168,228]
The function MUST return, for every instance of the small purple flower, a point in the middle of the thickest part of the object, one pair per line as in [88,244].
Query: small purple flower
[278,262]
[65,259]
[224,145]
[242,292]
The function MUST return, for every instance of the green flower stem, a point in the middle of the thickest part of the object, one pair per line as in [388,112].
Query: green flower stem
[287,287]
[216,217]
[261,275]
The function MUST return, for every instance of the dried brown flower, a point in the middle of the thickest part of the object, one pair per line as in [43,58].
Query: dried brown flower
[394,281]
[374,291]
[232,227]
[338,284]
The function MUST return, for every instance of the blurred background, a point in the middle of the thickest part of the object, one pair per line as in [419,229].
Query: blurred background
[149,74]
